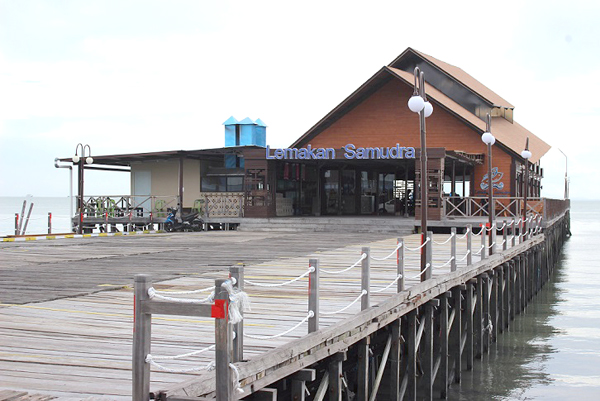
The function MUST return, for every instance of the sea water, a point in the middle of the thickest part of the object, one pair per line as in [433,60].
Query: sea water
[38,221]
[552,352]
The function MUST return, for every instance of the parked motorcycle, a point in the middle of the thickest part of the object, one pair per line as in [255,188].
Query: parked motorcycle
[189,222]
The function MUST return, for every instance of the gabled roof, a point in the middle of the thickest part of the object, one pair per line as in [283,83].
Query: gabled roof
[458,75]
[511,135]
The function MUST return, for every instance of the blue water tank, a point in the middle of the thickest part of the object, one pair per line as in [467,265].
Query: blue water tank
[230,132]
[245,132]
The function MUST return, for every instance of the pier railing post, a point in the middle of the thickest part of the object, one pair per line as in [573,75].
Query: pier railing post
[520,230]
[504,236]
[513,232]
[140,370]
[453,249]
[483,247]
[49,223]
[16,223]
[366,278]
[469,244]
[223,334]
[237,273]
[428,257]
[400,264]
[313,295]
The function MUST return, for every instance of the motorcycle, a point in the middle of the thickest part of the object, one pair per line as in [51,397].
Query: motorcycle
[189,222]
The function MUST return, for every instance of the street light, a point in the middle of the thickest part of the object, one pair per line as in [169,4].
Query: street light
[80,162]
[418,104]
[489,140]
[566,176]
[526,154]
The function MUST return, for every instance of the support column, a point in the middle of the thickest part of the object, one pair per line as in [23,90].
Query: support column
[411,371]
[394,361]
[470,323]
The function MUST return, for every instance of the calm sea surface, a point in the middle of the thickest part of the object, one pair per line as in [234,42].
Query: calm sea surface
[38,222]
[552,352]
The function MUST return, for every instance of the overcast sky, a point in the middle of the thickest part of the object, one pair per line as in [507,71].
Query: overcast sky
[135,76]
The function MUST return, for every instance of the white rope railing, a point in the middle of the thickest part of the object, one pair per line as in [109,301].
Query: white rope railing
[308,316]
[464,257]
[310,270]
[419,247]
[491,245]
[465,234]
[362,257]
[479,252]
[501,228]
[362,294]
[478,235]
[153,294]
[173,357]
[398,277]
[427,266]
[391,253]
[185,292]
[445,264]
[491,227]
[445,242]
[150,359]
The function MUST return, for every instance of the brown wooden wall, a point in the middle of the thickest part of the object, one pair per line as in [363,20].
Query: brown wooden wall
[384,119]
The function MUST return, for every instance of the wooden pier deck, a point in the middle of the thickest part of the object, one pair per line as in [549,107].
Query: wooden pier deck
[66,308]
[61,335]
[66,305]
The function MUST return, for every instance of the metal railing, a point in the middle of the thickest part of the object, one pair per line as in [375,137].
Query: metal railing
[477,206]
[124,205]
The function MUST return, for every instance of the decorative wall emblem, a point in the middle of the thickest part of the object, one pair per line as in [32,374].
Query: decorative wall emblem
[496,180]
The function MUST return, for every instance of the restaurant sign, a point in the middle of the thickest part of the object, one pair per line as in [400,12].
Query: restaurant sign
[350,152]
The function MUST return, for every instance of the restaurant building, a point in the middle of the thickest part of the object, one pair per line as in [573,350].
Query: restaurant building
[361,158]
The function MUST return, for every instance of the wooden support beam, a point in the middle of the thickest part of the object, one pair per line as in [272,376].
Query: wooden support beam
[394,360]
[470,309]
[494,303]
[381,370]
[455,338]
[411,371]
[322,389]
[299,380]
[264,394]
[363,368]
[444,336]
[501,300]
[178,309]
[335,376]
[427,351]
[478,318]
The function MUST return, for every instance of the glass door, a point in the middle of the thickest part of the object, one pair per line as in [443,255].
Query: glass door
[331,189]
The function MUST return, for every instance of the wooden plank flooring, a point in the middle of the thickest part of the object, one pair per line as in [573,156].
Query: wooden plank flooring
[74,347]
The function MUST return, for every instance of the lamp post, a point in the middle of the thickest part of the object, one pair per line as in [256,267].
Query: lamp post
[70,183]
[489,140]
[80,161]
[566,176]
[526,154]
[418,104]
